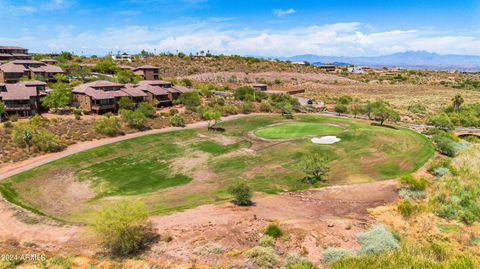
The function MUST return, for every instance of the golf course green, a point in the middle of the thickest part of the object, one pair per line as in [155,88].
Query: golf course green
[177,170]
[296,130]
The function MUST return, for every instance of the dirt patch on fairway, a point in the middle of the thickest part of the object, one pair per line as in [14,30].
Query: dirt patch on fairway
[32,231]
[313,220]
[222,139]
[57,193]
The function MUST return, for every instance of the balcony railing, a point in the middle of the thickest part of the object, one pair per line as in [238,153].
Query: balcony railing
[17,107]
[103,107]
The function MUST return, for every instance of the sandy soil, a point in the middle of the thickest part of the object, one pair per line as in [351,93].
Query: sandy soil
[313,220]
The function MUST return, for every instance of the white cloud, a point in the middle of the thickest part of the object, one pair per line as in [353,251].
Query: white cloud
[21,8]
[281,12]
[339,39]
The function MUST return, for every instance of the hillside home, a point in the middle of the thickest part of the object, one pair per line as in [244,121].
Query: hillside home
[164,92]
[147,72]
[102,96]
[328,67]
[12,72]
[23,98]
[260,87]
[13,53]
[123,57]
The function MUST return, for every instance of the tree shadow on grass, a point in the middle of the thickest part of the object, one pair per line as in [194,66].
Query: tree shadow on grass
[384,125]
[217,129]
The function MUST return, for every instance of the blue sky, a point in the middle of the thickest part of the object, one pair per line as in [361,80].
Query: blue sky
[246,27]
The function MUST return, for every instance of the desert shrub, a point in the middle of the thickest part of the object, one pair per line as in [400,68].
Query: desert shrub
[406,208]
[13,117]
[107,125]
[267,241]
[304,264]
[442,163]
[334,254]
[247,107]
[414,184]
[411,194]
[135,119]
[441,171]
[417,108]
[8,125]
[46,141]
[173,111]
[264,257]
[273,230]
[38,120]
[190,99]
[177,120]
[22,134]
[441,121]
[345,100]
[407,257]
[266,107]
[77,113]
[123,227]
[126,103]
[62,262]
[377,240]
[229,110]
[146,109]
[245,93]
[241,192]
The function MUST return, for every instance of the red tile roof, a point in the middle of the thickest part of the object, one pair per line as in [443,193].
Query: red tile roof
[18,92]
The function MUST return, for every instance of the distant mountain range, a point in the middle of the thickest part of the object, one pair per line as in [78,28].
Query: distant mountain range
[409,59]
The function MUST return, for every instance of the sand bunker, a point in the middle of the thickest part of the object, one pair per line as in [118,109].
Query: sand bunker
[325,140]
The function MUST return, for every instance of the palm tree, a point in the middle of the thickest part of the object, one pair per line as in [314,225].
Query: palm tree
[457,102]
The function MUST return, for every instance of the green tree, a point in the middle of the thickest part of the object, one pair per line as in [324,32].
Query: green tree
[106,67]
[191,100]
[126,103]
[340,108]
[123,227]
[383,112]
[59,97]
[316,166]
[212,116]
[241,193]
[457,101]
[245,93]
[356,108]
[107,125]
[61,77]
[126,76]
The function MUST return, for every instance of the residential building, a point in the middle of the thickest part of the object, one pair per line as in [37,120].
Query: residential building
[13,53]
[162,91]
[102,96]
[12,72]
[148,72]
[260,87]
[328,67]
[23,98]
[123,57]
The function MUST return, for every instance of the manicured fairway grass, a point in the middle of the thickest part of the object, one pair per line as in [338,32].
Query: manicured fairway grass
[183,169]
[296,130]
